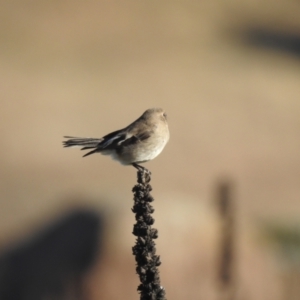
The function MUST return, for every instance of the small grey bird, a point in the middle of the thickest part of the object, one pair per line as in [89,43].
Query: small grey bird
[137,143]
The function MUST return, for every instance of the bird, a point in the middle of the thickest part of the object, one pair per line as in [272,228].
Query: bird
[139,142]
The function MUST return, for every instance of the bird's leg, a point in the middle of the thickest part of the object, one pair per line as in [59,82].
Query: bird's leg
[144,175]
[141,168]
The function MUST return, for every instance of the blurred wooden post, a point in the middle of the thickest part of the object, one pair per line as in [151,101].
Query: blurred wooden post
[226,260]
[291,283]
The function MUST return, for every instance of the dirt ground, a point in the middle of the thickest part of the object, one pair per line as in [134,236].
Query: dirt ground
[232,97]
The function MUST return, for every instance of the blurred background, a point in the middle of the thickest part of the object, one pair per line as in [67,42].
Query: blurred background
[226,187]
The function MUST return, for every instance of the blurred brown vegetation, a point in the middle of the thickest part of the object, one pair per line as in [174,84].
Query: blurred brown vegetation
[227,74]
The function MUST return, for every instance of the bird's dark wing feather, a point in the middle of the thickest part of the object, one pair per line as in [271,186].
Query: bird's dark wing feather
[112,139]
[135,138]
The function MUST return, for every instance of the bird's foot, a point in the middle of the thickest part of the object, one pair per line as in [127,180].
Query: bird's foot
[141,168]
[145,173]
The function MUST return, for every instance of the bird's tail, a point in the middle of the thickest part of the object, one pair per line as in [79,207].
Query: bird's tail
[86,143]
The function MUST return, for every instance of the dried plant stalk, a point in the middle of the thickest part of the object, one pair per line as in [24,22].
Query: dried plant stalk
[147,261]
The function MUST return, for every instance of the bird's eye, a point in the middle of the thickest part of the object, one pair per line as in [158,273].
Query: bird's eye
[165,115]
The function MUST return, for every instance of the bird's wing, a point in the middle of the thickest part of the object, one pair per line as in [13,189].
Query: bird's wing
[119,138]
[116,139]
[108,141]
[112,139]
[133,139]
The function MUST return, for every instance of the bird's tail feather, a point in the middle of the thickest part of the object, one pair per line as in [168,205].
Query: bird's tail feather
[91,152]
[86,143]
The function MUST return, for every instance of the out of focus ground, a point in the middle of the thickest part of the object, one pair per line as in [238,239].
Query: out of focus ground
[228,76]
